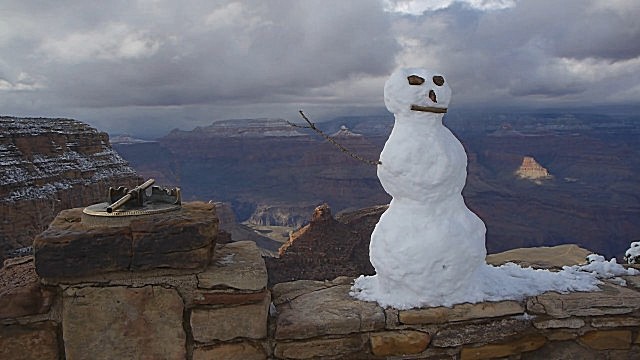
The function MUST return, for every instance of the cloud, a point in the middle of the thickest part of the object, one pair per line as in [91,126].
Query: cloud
[235,52]
[534,52]
[183,64]
[419,7]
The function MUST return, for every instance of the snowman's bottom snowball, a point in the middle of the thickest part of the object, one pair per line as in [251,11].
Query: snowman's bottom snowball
[487,283]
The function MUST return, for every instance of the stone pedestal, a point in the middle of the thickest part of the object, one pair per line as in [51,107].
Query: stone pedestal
[178,240]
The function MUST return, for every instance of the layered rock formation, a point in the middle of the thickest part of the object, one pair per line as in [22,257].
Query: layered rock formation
[281,215]
[531,170]
[231,231]
[47,165]
[324,249]
[591,199]
[268,170]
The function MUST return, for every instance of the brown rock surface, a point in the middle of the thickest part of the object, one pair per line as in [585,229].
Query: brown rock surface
[328,310]
[612,300]
[494,351]
[530,169]
[607,339]
[227,323]
[542,257]
[36,341]
[461,312]
[236,351]
[569,323]
[20,291]
[340,348]
[404,342]
[182,239]
[229,298]
[565,350]
[50,165]
[123,323]
[451,335]
[323,249]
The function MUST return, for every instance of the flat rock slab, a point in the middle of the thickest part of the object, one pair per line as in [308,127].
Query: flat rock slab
[461,312]
[542,257]
[182,239]
[227,323]
[398,343]
[238,265]
[326,308]
[235,351]
[612,300]
[349,347]
[123,323]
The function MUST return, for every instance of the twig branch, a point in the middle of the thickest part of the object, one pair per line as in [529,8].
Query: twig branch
[313,127]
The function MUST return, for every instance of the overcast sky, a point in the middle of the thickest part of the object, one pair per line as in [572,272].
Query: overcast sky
[148,66]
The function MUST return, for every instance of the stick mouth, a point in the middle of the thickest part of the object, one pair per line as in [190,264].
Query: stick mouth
[428,109]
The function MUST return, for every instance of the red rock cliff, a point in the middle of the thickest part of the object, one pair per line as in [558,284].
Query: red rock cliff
[47,165]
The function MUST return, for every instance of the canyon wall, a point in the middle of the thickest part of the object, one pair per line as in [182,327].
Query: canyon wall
[47,165]
[274,172]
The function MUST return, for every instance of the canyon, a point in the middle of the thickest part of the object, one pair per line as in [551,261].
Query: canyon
[47,165]
[275,174]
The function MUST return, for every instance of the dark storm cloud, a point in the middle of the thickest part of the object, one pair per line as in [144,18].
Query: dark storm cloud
[213,52]
[123,64]
[555,51]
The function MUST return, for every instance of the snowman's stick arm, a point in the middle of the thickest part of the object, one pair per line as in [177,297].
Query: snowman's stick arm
[313,127]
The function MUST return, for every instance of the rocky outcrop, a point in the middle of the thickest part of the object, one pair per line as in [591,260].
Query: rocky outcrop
[230,230]
[250,163]
[178,240]
[589,201]
[48,165]
[554,257]
[321,250]
[281,215]
[531,170]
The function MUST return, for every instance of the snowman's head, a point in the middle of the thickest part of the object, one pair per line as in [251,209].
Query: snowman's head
[414,89]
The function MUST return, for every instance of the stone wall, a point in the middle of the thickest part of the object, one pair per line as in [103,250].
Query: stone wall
[218,313]
[320,320]
[226,311]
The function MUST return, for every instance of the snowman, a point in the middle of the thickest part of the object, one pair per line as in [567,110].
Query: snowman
[427,245]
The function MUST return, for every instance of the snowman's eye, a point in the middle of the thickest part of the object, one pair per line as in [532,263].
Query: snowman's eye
[415,80]
[438,80]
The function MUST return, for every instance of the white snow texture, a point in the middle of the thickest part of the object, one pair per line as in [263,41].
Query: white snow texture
[632,255]
[428,248]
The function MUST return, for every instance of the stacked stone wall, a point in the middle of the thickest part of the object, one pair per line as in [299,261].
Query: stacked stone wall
[226,311]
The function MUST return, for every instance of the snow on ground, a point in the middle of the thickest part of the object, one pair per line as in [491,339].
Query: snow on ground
[505,282]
